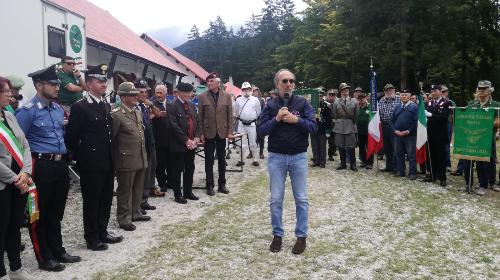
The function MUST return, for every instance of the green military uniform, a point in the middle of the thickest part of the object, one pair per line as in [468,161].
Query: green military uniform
[486,171]
[67,97]
[345,113]
[131,158]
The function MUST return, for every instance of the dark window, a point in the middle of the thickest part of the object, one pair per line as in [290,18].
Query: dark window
[57,42]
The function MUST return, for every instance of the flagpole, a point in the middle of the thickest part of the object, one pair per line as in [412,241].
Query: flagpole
[421,84]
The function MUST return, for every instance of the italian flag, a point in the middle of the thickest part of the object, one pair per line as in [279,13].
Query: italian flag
[421,132]
[375,142]
[12,144]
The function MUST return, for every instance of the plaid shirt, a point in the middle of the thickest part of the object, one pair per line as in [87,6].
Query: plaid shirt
[386,107]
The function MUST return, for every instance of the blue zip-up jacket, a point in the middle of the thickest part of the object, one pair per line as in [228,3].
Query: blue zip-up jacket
[406,118]
[286,138]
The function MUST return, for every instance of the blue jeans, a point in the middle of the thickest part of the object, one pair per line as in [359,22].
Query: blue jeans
[295,165]
[406,146]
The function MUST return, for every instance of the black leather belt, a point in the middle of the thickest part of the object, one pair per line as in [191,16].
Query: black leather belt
[51,157]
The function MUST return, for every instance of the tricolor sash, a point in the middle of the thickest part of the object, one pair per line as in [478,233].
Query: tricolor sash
[32,203]
[12,144]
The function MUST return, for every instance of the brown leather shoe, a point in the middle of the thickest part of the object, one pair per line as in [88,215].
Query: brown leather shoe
[275,246]
[299,246]
[156,192]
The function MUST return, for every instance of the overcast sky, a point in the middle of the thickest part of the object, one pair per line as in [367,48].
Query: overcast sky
[171,20]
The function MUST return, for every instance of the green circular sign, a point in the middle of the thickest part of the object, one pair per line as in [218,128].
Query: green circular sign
[75,38]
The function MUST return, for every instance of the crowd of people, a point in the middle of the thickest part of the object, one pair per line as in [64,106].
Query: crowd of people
[343,124]
[148,143]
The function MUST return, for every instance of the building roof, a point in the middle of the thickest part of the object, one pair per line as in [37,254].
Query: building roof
[190,65]
[102,27]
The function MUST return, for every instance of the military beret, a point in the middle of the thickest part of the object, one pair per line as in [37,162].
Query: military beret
[389,86]
[343,86]
[142,84]
[184,87]
[99,72]
[484,84]
[45,75]
[127,88]
[15,81]
[406,91]
[212,75]
[435,87]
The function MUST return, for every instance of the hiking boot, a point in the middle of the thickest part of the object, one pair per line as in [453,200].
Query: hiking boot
[481,191]
[300,246]
[20,274]
[495,188]
[275,246]
[342,167]
[210,190]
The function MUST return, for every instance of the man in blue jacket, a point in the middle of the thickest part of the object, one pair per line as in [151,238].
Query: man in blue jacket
[288,120]
[405,118]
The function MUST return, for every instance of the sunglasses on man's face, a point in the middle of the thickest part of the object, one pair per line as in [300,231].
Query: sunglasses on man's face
[286,81]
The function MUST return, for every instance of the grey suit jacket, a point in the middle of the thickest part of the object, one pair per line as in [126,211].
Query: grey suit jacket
[7,176]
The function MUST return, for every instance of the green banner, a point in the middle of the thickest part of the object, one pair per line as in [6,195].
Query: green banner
[473,134]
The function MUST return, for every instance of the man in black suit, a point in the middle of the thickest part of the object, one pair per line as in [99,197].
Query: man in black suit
[161,135]
[185,132]
[437,112]
[88,136]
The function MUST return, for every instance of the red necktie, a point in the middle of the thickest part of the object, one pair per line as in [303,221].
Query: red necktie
[190,122]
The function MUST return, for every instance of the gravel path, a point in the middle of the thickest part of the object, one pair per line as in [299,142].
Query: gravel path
[364,225]
[146,236]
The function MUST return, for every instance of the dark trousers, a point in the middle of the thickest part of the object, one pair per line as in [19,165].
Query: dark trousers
[486,171]
[447,146]
[388,138]
[97,192]
[332,148]
[406,146]
[461,165]
[12,204]
[149,177]
[184,163]
[363,148]
[52,182]
[162,167]
[318,146]
[211,145]
[437,159]
[260,143]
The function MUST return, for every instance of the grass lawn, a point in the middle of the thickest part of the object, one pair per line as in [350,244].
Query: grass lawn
[364,225]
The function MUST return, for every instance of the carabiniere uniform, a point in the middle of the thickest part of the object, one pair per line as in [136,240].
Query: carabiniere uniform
[437,124]
[42,121]
[88,137]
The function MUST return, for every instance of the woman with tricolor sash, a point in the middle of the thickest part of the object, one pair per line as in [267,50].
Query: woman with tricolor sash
[15,167]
